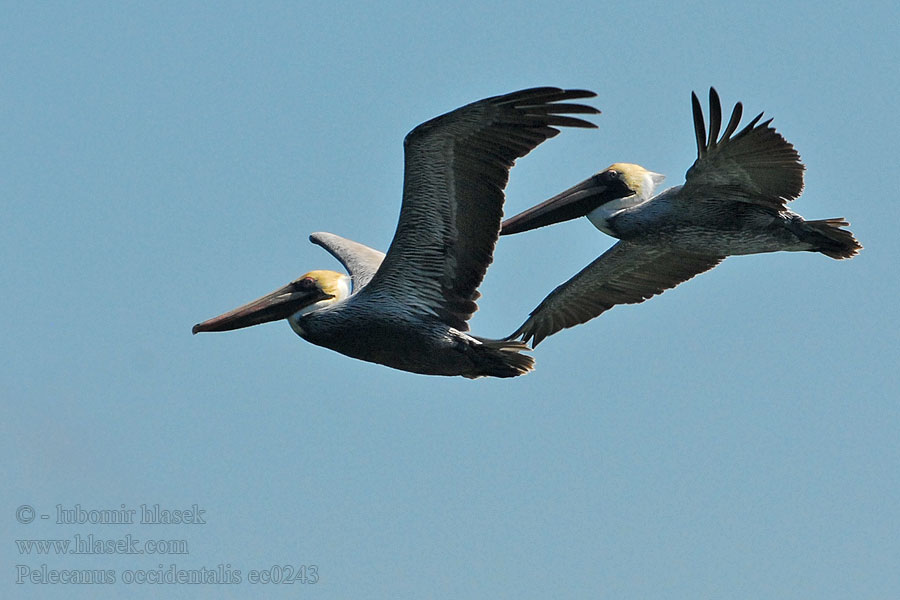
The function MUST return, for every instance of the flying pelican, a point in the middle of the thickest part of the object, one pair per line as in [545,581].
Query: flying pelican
[733,202]
[408,309]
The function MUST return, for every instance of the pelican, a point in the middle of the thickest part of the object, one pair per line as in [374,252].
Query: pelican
[733,202]
[408,309]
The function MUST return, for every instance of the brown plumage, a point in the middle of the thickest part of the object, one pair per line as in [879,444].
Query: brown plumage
[409,308]
[734,201]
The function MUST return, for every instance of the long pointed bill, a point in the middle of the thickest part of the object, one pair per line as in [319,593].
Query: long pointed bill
[280,304]
[575,202]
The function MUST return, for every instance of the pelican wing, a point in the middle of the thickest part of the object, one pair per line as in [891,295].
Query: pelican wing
[457,166]
[360,261]
[754,165]
[628,273]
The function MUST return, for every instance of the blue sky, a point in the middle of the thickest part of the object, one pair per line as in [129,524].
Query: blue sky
[733,438]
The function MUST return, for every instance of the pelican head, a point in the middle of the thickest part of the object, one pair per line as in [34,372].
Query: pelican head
[640,181]
[617,186]
[311,292]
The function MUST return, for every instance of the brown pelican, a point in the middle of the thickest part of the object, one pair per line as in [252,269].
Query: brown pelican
[408,309]
[733,202]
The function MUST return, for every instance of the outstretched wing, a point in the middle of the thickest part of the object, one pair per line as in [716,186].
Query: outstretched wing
[360,261]
[457,166]
[754,165]
[628,273]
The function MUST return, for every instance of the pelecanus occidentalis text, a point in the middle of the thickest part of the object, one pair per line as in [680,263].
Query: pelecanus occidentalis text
[733,202]
[408,309]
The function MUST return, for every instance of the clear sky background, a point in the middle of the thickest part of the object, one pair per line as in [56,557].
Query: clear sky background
[736,437]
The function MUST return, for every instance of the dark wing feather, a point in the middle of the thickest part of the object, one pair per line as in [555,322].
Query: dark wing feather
[755,165]
[360,261]
[628,273]
[457,166]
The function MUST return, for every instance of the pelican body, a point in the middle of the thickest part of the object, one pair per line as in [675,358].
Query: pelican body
[408,309]
[733,202]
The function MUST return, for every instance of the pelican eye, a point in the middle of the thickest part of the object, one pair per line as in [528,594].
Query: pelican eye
[307,283]
[609,175]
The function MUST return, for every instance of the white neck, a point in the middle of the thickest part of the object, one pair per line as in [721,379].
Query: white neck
[600,216]
[342,292]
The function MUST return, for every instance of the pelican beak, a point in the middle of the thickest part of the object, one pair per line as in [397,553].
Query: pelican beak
[280,304]
[575,202]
